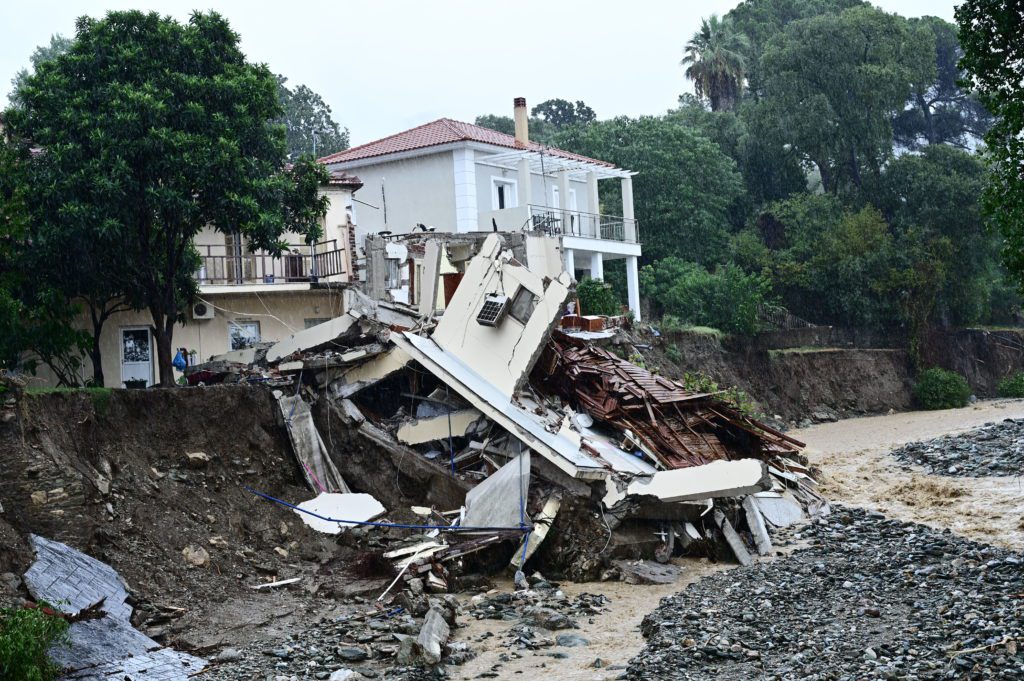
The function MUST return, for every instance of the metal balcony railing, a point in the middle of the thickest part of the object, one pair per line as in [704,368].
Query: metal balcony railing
[224,264]
[569,222]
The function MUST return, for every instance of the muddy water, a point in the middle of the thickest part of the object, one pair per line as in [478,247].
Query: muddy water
[856,470]
[614,635]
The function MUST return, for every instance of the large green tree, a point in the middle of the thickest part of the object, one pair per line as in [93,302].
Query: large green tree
[833,83]
[310,129]
[151,130]
[58,46]
[716,62]
[685,189]
[990,34]
[560,112]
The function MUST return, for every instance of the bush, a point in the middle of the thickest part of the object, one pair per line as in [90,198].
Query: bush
[940,389]
[700,382]
[597,298]
[1011,386]
[25,636]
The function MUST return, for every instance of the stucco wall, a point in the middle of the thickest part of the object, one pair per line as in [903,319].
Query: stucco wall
[278,314]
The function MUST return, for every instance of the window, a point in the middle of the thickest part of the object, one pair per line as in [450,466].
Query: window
[393,273]
[315,321]
[554,197]
[504,193]
[523,304]
[243,335]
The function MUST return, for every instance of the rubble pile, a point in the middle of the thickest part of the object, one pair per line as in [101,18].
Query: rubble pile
[867,598]
[994,449]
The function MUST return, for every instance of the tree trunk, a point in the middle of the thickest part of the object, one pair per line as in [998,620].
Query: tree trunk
[826,176]
[163,332]
[929,125]
[97,357]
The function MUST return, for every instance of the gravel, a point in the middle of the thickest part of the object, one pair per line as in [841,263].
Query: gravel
[866,597]
[993,449]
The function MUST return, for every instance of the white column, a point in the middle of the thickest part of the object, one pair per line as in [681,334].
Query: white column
[524,182]
[563,203]
[466,214]
[570,262]
[597,266]
[593,202]
[627,209]
[633,285]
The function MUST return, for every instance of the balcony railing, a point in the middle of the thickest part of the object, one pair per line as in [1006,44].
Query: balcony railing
[222,264]
[569,222]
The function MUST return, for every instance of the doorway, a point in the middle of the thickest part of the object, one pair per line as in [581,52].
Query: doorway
[136,357]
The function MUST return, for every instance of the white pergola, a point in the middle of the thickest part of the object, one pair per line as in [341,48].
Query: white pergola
[550,163]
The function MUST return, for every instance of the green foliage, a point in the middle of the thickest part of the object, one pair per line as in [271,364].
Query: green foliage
[716,62]
[699,382]
[25,636]
[153,130]
[833,83]
[727,298]
[1011,386]
[561,113]
[310,129]
[688,185]
[58,46]
[993,53]
[597,297]
[941,389]
[673,354]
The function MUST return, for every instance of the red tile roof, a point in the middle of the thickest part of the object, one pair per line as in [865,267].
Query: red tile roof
[444,131]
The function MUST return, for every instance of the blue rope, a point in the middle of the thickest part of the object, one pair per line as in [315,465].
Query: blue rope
[367,523]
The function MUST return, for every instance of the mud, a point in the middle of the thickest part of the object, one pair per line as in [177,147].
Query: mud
[857,470]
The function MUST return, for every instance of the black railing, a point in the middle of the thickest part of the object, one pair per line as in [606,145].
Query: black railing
[224,264]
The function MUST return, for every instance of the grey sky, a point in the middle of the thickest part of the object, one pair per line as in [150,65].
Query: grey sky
[387,65]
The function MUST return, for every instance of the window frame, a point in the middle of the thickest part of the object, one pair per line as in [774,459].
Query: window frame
[510,185]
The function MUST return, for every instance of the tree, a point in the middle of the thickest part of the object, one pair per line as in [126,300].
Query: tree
[58,46]
[939,110]
[541,131]
[161,129]
[994,60]
[688,186]
[561,113]
[716,62]
[833,83]
[310,130]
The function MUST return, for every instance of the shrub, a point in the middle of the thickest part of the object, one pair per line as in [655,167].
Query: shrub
[673,355]
[941,389]
[1011,386]
[596,297]
[700,382]
[25,636]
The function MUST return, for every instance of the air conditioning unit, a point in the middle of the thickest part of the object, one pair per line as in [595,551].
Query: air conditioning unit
[493,311]
[202,311]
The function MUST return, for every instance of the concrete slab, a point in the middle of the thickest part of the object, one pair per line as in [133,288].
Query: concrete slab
[320,472]
[437,427]
[779,511]
[541,526]
[498,500]
[757,528]
[733,539]
[431,276]
[710,481]
[357,507]
[310,339]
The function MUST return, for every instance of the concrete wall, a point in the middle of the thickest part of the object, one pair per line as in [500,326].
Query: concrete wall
[419,189]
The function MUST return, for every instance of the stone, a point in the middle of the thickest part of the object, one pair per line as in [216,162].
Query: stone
[196,555]
[546,618]
[351,653]
[197,460]
[228,655]
[646,572]
[571,640]
[343,675]
[39,498]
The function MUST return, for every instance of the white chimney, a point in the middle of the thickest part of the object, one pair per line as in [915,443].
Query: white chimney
[522,121]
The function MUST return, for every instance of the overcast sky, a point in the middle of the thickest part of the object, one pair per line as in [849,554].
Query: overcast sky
[384,66]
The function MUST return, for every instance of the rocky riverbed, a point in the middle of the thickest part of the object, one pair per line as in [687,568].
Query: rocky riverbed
[992,450]
[868,597]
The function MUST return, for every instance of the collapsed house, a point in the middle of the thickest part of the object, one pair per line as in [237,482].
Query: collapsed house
[551,452]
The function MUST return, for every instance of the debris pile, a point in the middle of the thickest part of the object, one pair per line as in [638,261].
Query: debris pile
[993,449]
[551,454]
[868,598]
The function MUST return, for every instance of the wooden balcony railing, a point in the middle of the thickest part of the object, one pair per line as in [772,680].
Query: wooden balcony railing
[222,264]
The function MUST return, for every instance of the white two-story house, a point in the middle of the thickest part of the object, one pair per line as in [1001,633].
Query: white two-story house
[459,177]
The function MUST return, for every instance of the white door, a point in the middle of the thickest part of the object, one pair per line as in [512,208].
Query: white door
[136,355]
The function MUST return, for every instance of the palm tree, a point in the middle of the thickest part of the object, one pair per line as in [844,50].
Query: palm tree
[716,63]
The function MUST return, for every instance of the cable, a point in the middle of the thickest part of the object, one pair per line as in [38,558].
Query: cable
[246,314]
[367,523]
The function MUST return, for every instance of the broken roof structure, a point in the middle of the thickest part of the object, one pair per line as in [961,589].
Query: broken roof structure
[472,390]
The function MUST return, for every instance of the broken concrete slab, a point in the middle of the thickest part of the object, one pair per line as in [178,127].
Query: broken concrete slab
[311,339]
[109,646]
[646,572]
[349,506]
[541,525]
[778,510]
[373,370]
[320,472]
[710,481]
[733,539]
[454,424]
[425,649]
[430,277]
[757,528]
[498,500]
